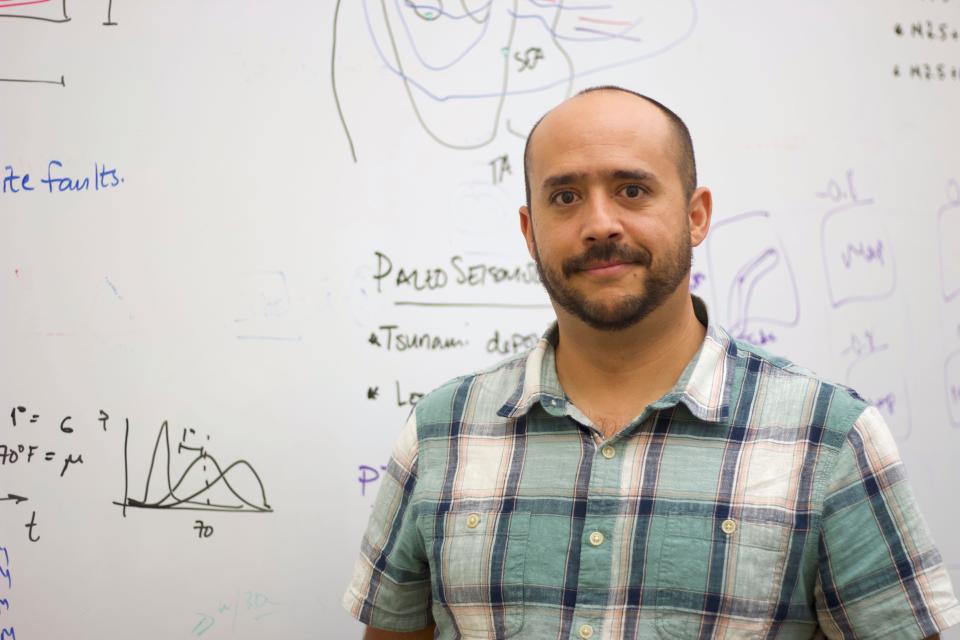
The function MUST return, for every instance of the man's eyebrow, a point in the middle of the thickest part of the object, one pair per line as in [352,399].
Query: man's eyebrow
[634,174]
[564,179]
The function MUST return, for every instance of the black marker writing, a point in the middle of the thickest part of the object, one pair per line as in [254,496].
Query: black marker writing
[459,273]
[30,527]
[70,460]
[529,58]
[390,338]
[411,399]
[514,343]
[500,166]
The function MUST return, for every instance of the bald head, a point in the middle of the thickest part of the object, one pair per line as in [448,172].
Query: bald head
[677,138]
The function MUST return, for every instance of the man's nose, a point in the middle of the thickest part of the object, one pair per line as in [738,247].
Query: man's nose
[602,221]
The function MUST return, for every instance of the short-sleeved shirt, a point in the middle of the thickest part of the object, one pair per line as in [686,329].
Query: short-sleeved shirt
[753,500]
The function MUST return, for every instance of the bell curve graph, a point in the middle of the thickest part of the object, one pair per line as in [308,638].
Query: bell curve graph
[201,483]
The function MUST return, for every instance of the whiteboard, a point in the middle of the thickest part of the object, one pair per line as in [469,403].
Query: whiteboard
[259,231]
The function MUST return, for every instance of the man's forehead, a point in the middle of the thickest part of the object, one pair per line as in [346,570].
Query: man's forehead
[602,117]
[608,107]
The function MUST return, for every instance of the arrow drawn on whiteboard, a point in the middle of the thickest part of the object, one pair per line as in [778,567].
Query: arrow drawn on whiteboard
[12,496]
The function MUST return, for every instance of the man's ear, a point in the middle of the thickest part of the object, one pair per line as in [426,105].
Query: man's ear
[699,211]
[526,227]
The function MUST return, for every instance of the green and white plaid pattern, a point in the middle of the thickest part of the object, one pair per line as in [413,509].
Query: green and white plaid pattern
[753,500]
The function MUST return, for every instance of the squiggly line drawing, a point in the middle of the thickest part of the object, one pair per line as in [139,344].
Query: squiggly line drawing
[460,53]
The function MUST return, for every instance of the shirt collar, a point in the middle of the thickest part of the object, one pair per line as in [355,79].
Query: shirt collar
[704,387]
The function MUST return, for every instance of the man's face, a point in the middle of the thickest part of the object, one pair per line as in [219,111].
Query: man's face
[609,228]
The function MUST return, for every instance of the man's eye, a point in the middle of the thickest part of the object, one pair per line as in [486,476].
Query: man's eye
[565,197]
[633,191]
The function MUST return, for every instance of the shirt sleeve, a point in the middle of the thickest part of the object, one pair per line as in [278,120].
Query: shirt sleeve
[390,588]
[879,573]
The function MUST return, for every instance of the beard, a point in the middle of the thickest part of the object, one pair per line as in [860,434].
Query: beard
[660,280]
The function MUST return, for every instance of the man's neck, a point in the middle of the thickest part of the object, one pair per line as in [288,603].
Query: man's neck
[612,375]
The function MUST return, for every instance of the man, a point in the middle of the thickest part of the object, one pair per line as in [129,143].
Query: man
[639,473]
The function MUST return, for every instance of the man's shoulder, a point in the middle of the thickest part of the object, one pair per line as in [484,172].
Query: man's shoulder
[775,362]
[785,386]
[488,389]
[780,366]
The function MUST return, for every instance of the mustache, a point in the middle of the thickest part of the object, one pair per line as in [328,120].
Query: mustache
[606,252]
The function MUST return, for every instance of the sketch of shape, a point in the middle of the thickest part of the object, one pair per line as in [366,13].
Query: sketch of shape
[201,484]
[460,62]
[751,277]
[951,380]
[443,56]
[948,234]
[857,255]
[878,379]
[45,10]
[265,308]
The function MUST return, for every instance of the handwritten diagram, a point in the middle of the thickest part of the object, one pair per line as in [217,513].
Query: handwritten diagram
[52,11]
[49,11]
[948,232]
[474,68]
[201,484]
[857,254]
[875,370]
[948,236]
[754,285]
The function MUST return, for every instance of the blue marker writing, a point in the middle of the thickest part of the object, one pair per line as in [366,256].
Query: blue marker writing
[15,183]
[5,567]
[102,178]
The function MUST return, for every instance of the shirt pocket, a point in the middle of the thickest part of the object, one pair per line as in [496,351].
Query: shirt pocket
[748,560]
[477,563]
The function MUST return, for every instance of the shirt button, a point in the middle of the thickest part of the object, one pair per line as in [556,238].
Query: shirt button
[608,452]
[596,538]
[728,526]
[473,520]
[586,631]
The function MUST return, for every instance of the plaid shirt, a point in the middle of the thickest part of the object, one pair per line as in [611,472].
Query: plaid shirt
[753,500]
